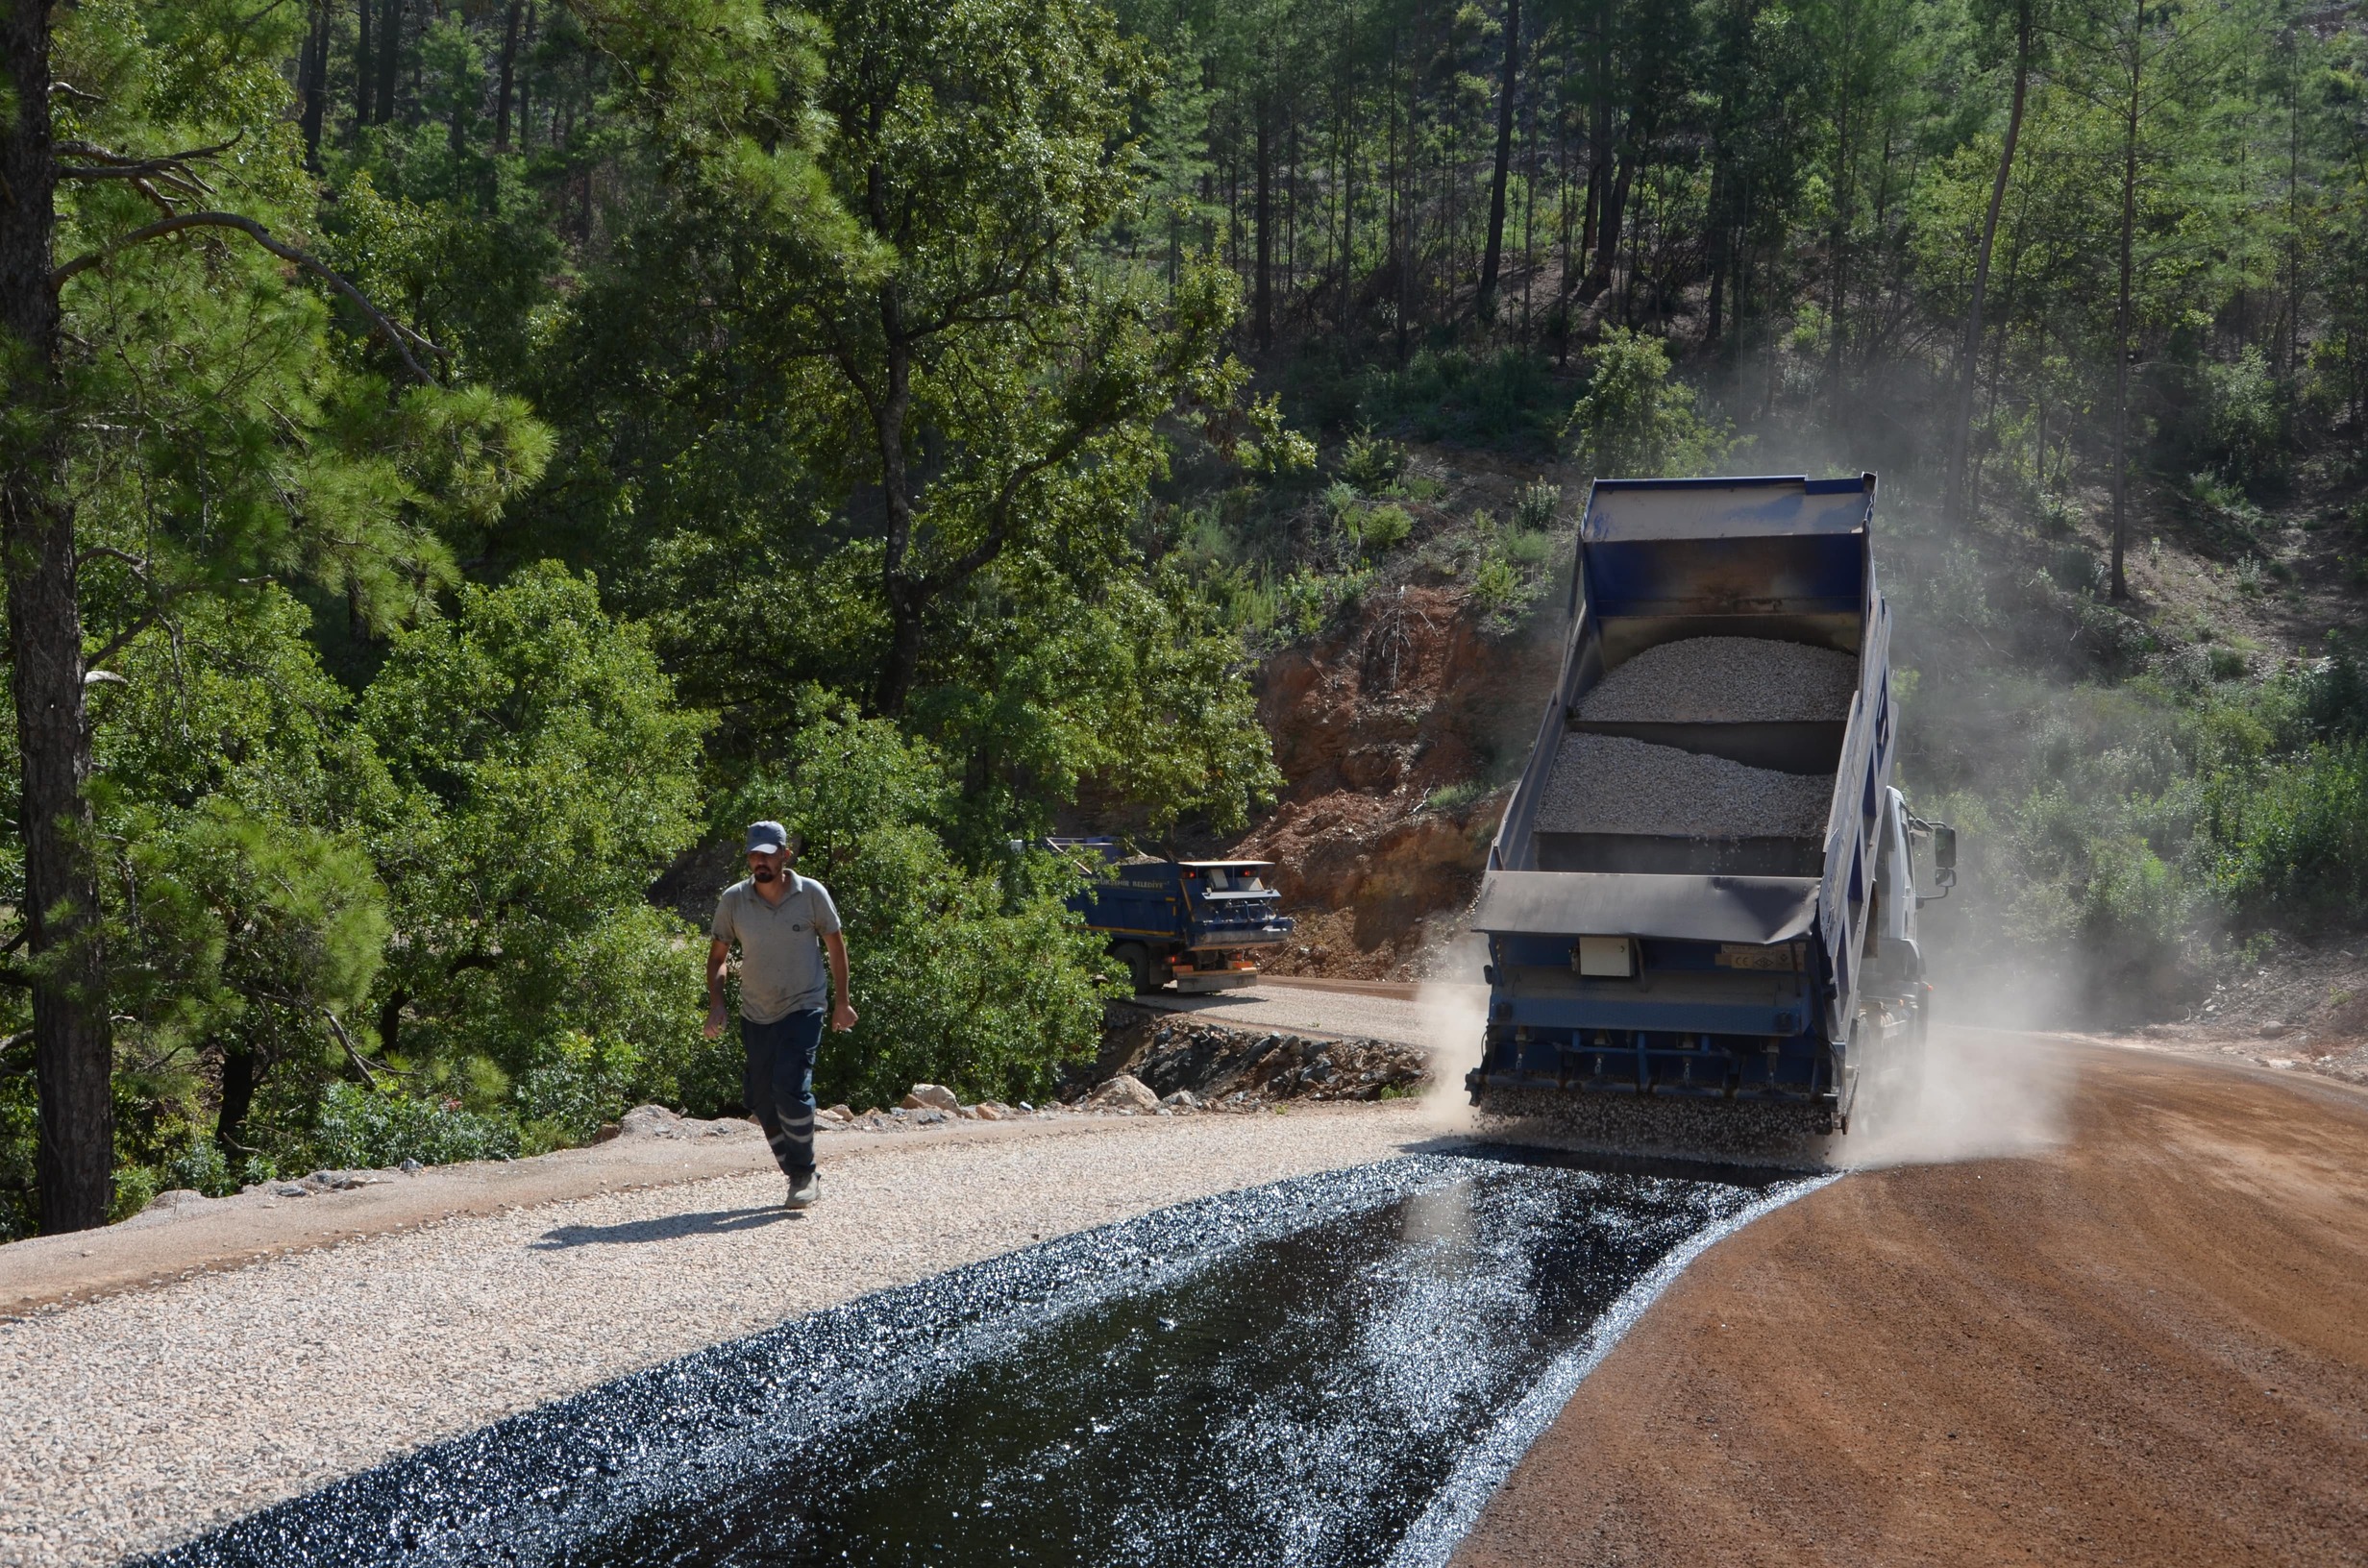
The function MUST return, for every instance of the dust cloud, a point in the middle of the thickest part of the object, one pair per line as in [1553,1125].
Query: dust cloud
[1452,1008]
[1985,1091]
[1981,1094]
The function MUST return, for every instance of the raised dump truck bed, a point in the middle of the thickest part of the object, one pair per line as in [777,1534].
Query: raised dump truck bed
[1701,886]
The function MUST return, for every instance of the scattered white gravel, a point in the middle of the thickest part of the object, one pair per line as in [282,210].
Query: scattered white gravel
[1610,784]
[1725,680]
[132,1422]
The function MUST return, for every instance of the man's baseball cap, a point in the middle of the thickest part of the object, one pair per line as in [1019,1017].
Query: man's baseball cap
[767,838]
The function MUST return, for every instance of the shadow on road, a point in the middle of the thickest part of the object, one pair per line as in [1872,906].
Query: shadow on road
[716,1222]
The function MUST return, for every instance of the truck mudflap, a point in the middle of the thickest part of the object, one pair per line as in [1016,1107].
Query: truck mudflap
[1663,1064]
[1192,981]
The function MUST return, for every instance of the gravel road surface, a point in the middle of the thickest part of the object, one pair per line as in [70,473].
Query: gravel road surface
[1372,1013]
[1726,680]
[2146,1346]
[138,1420]
[1610,784]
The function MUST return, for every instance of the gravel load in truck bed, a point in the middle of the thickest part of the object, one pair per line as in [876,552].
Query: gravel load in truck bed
[1726,680]
[1610,784]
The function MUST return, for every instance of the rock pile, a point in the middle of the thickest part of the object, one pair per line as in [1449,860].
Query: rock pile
[1726,680]
[657,1121]
[924,1105]
[1610,784]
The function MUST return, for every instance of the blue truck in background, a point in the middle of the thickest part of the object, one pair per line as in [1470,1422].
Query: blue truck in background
[1759,977]
[1195,924]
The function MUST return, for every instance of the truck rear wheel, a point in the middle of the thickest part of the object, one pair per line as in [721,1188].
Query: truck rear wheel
[1146,975]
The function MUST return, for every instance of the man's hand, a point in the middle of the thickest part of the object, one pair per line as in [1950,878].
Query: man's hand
[719,954]
[834,949]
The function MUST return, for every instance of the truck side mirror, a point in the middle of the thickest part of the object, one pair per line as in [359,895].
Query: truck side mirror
[1944,855]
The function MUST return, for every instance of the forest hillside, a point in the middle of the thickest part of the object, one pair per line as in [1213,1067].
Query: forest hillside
[465,459]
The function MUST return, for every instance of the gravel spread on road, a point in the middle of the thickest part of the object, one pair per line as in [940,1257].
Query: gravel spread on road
[1610,784]
[130,1423]
[2144,1346]
[1725,680]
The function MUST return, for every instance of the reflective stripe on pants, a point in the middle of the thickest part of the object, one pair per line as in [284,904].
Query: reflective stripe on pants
[778,1084]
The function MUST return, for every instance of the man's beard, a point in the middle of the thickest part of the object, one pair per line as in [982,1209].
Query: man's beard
[765,874]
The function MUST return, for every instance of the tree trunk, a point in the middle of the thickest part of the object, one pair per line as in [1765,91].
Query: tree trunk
[1598,145]
[73,1045]
[1719,285]
[364,66]
[2121,309]
[1504,160]
[1263,216]
[240,1073]
[313,82]
[507,74]
[390,1020]
[905,594]
[1615,207]
[1838,301]
[1961,428]
[390,57]
[525,106]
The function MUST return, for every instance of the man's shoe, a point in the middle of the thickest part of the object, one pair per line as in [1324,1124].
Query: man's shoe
[804,1191]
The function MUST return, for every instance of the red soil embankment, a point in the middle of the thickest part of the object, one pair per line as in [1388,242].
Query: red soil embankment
[1411,698]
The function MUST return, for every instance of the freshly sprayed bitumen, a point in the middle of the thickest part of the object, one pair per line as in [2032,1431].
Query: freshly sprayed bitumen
[1726,680]
[1336,1369]
[1610,784]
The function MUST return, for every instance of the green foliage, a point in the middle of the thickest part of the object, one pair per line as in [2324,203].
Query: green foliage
[1371,464]
[2289,841]
[545,774]
[1635,422]
[1507,399]
[1380,529]
[359,1129]
[2244,417]
[1533,509]
[576,1084]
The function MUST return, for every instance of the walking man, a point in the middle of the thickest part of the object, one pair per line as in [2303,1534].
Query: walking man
[784,923]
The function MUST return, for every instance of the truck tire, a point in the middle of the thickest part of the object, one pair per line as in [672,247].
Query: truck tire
[1148,976]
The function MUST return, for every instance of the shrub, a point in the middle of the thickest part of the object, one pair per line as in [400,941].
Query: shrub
[577,1084]
[362,1128]
[1381,530]
[1533,509]
[2292,838]
[2244,416]
[1506,399]
[201,1167]
[1371,463]
[2334,693]
[1496,586]
[1635,422]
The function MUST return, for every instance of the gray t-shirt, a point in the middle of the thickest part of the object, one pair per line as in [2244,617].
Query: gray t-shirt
[782,968]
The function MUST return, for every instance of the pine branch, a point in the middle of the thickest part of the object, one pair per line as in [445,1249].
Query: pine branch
[401,337]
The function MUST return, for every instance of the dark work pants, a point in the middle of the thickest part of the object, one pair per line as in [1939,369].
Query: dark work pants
[779,1084]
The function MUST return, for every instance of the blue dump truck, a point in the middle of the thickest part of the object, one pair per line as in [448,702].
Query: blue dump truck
[1197,924]
[1700,906]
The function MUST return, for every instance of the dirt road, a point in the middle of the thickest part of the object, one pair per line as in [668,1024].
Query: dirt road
[2147,1346]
